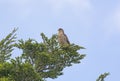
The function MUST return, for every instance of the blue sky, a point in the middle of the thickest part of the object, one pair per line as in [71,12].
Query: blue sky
[94,24]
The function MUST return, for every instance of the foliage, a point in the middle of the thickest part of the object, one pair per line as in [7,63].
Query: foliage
[38,61]
[102,77]
[48,58]
[6,46]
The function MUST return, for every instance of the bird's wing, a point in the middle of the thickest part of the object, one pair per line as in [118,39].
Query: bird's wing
[66,38]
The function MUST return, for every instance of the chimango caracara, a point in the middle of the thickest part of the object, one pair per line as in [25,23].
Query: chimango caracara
[62,38]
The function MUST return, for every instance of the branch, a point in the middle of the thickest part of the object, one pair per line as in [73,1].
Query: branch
[102,77]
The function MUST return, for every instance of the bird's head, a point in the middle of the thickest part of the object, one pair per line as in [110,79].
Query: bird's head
[60,30]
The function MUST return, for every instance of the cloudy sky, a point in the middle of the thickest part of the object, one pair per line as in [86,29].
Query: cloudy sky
[94,24]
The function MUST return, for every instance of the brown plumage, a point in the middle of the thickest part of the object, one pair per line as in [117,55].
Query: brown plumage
[62,38]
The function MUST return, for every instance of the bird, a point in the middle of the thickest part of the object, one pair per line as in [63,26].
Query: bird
[62,37]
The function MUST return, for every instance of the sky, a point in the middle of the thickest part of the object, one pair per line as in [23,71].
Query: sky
[93,24]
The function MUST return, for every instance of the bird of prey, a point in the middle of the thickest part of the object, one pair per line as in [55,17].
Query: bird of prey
[62,38]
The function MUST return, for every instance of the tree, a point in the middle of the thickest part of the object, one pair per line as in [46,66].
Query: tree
[14,69]
[38,61]
[47,57]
